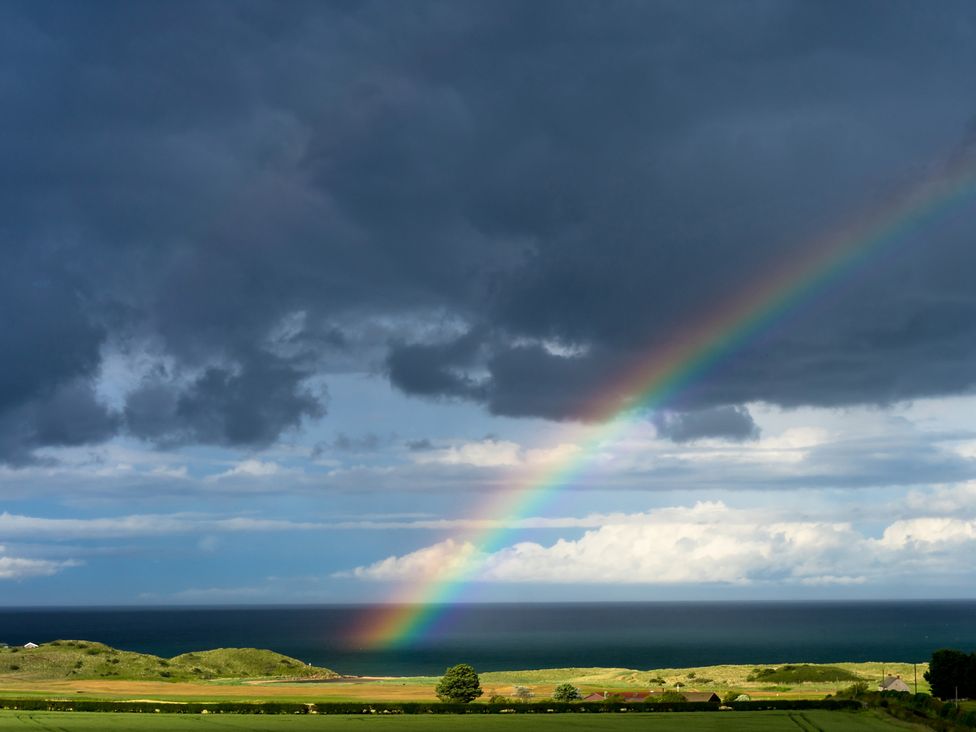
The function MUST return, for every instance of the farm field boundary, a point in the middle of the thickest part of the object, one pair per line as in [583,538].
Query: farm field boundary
[411,708]
[766,721]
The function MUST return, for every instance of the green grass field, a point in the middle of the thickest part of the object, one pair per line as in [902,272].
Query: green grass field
[811,721]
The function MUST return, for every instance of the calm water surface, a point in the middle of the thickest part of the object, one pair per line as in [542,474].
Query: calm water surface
[511,636]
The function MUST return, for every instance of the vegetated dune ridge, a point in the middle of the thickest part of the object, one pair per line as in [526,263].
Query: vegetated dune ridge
[758,681]
[77,659]
[742,675]
[762,681]
[248,673]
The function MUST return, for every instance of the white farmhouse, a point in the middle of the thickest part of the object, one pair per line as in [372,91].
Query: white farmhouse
[893,683]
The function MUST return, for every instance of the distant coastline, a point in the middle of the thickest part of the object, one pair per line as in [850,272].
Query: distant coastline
[100,671]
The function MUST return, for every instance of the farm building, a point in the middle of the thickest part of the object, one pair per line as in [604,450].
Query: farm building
[893,683]
[30,644]
[703,696]
[692,696]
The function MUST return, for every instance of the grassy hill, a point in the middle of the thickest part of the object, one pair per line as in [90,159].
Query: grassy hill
[247,663]
[74,659]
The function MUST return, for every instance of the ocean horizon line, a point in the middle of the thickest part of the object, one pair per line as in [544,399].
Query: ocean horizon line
[490,603]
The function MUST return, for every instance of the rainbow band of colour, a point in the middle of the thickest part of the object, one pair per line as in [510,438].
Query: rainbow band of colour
[663,373]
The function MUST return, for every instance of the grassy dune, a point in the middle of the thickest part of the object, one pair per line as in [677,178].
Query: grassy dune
[78,660]
[823,679]
[94,670]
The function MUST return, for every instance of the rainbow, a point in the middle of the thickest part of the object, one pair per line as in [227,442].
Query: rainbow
[662,373]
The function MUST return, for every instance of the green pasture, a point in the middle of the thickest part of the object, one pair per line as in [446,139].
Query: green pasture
[807,721]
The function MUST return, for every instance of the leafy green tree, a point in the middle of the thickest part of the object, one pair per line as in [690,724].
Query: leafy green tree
[952,671]
[566,693]
[854,691]
[730,696]
[459,684]
[670,697]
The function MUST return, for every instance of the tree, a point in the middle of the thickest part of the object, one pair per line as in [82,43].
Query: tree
[951,672]
[566,693]
[459,684]
[731,696]
[522,693]
[855,690]
[671,697]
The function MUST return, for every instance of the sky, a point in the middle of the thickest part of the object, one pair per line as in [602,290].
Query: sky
[290,291]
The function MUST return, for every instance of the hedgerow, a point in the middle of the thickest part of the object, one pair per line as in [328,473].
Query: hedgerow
[272,707]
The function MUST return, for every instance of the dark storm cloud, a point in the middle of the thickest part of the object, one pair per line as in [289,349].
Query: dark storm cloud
[68,416]
[368,442]
[251,406]
[730,422]
[524,196]
[438,369]
[421,445]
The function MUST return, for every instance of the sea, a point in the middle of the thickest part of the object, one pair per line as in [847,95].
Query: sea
[495,637]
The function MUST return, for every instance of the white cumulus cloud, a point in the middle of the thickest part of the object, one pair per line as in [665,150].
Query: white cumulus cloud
[442,560]
[929,532]
[705,543]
